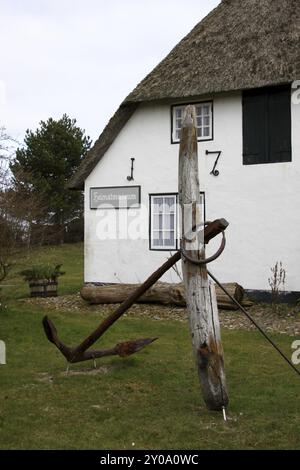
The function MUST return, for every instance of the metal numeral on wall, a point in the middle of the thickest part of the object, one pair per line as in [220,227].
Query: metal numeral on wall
[131,178]
[214,171]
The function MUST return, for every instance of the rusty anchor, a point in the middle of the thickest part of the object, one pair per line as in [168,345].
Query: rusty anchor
[83,352]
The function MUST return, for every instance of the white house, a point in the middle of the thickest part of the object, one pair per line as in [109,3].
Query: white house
[239,66]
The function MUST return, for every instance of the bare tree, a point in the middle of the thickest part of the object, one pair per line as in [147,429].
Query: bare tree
[8,238]
[5,148]
[20,212]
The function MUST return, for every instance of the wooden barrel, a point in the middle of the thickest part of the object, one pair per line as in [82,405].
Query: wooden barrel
[43,288]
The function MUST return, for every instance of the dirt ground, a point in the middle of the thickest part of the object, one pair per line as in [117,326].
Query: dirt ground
[281,318]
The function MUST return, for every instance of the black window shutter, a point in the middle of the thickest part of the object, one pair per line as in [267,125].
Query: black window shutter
[279,125]
[254,127]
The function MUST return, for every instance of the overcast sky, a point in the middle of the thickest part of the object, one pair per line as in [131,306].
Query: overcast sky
[83,57]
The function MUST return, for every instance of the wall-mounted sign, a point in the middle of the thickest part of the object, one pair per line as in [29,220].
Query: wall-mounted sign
[118,197]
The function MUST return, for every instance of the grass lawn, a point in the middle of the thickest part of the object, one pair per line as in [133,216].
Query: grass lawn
[148,401]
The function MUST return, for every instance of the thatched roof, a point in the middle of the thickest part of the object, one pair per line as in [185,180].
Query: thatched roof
[241,44]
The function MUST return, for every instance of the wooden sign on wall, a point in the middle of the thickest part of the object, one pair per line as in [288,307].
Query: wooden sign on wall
[117,197]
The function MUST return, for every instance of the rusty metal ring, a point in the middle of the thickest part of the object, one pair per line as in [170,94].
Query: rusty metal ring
[202,224]
[207,260]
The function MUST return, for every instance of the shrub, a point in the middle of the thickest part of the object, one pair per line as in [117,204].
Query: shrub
[277,281]
[50,273]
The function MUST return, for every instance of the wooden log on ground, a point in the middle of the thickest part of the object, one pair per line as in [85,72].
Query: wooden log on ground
[161,293]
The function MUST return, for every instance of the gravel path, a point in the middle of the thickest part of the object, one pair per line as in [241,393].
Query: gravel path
[283,319]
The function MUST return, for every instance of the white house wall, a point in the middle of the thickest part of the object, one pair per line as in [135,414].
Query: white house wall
[260,201]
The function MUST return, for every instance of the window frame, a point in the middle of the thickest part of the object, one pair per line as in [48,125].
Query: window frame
[265,94]
[173,118]
[176,224]
[151,213]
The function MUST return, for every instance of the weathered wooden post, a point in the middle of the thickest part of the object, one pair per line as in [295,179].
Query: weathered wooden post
[200,293]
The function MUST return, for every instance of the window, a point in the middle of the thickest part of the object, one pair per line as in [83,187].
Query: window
[267,125]
[164,227]
[204,115]
[163,222]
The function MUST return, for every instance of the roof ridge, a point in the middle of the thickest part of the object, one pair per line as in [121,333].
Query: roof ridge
[232,48]
[212,12]
[216,53]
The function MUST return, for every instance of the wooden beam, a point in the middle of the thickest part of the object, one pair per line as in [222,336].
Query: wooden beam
[161,293]
[200,293]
